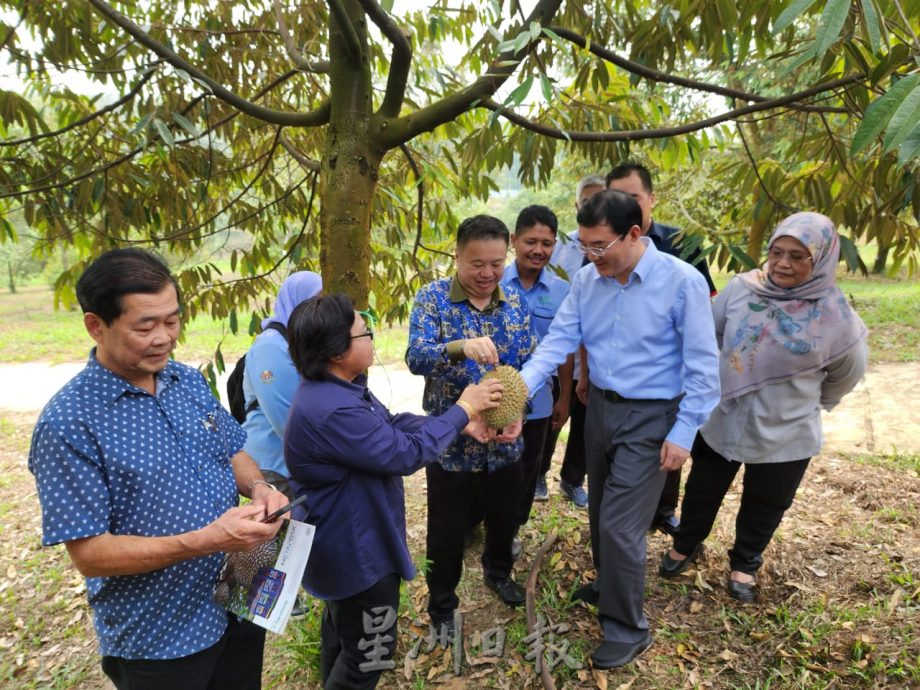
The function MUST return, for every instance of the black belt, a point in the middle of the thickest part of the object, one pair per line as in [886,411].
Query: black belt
[612,396]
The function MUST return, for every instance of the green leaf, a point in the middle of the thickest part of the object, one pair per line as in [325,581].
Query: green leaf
[880,111]
[98,189]
[141,124]
[742,257]
[789,14]
[831,24]
[254,323]
[186,124]
[870,17]
[547,87]
[910,149]
[164,132]
[387,5]
[520,93]
[902,123]
[851,255]
[554,37]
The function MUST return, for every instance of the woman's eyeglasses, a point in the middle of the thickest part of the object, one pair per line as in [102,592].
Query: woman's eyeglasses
[794,257]
[367,334]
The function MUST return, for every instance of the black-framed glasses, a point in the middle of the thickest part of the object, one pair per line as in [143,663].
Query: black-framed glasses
[597,251]
[367,334]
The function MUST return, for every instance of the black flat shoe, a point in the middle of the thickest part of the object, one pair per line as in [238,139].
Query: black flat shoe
[666,524]
[615,654]
[507,590]
[587,593]
[669,567]
[745,592]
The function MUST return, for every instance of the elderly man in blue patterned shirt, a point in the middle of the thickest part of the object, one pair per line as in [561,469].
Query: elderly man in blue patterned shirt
[139,471]
[460,327]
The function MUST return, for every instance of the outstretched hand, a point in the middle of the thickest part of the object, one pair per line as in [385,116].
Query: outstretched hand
[510,433]
[478,430]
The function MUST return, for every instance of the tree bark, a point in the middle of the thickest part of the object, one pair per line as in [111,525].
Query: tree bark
[878,267]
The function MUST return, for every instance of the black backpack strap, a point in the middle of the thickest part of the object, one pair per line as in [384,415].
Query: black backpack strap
[275,326]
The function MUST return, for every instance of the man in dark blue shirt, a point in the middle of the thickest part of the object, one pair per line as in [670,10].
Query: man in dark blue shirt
[634,179]
[459,327]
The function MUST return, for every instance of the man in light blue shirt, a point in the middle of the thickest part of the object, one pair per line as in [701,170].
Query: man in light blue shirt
[533,240]
[566,260]
[645,320]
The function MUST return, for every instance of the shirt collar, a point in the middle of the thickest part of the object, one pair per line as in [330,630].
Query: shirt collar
[118,385]
[544,277]
[357,387]
[458,294]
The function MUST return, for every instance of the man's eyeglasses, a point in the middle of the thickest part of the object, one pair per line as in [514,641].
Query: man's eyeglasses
[597,251]
[367,334]
[795,257]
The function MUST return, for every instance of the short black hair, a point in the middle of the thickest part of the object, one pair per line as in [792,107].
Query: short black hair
[120,272]
[627,168]
[318,330]
[616,209]
[534,215]
[482,227]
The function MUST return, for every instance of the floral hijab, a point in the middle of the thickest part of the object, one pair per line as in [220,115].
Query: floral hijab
[776,333]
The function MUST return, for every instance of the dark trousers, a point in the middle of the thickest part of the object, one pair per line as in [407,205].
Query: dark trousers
[623,450]
[453,501]
[573,464]
[233,663]
[359,636]
[534,434]
[670,495]
[549,442]
[769,489]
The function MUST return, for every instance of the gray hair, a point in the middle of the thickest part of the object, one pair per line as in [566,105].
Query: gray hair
[589,181]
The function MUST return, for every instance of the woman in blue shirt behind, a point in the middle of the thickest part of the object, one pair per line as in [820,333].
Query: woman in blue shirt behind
[347,453]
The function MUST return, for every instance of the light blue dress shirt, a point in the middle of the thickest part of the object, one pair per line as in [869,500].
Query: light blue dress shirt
[652,338]
[544,298]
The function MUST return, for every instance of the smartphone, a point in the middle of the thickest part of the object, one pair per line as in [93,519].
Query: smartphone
[284,509]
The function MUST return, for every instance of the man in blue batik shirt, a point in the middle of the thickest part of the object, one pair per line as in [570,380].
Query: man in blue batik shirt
[459,328]
[533,240]
[646,323]
[139,471]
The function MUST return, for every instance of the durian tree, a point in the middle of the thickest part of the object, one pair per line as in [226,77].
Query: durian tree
[338,135]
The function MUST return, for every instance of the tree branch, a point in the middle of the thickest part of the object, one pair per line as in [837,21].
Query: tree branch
[349,34]
[664,132]
[399,131]
[763,186]
[88,118]
[276,117]
[400,62]
[309,163]
[300,62]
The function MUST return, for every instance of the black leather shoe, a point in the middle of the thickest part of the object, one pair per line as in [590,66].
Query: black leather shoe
[614,654]
[669,567]
[745,592]
[507,590]
[587,593]
[666,524]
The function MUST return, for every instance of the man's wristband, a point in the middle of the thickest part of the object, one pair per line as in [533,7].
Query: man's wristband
[255,482]
[470,411]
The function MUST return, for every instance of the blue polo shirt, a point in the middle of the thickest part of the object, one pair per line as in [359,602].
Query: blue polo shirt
[348,455]
[110,457]
[544,298]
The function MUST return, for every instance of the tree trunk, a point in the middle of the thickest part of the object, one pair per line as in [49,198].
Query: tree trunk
[9,267]
[878,268]
[351,162]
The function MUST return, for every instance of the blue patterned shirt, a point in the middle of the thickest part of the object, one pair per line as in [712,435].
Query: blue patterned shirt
[442,314]
[110,457]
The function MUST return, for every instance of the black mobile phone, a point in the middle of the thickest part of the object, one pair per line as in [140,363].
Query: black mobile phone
[283,509]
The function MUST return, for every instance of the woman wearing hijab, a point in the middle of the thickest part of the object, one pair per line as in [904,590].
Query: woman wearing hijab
[270,379]
[790,345]
[348,454]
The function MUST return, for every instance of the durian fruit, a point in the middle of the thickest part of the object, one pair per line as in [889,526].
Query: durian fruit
[514,397]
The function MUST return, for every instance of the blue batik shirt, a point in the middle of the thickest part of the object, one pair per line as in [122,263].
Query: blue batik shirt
[443,314]
[110,457]
[544,298]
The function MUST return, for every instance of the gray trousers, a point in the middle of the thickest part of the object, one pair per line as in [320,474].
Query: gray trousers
[623,439]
